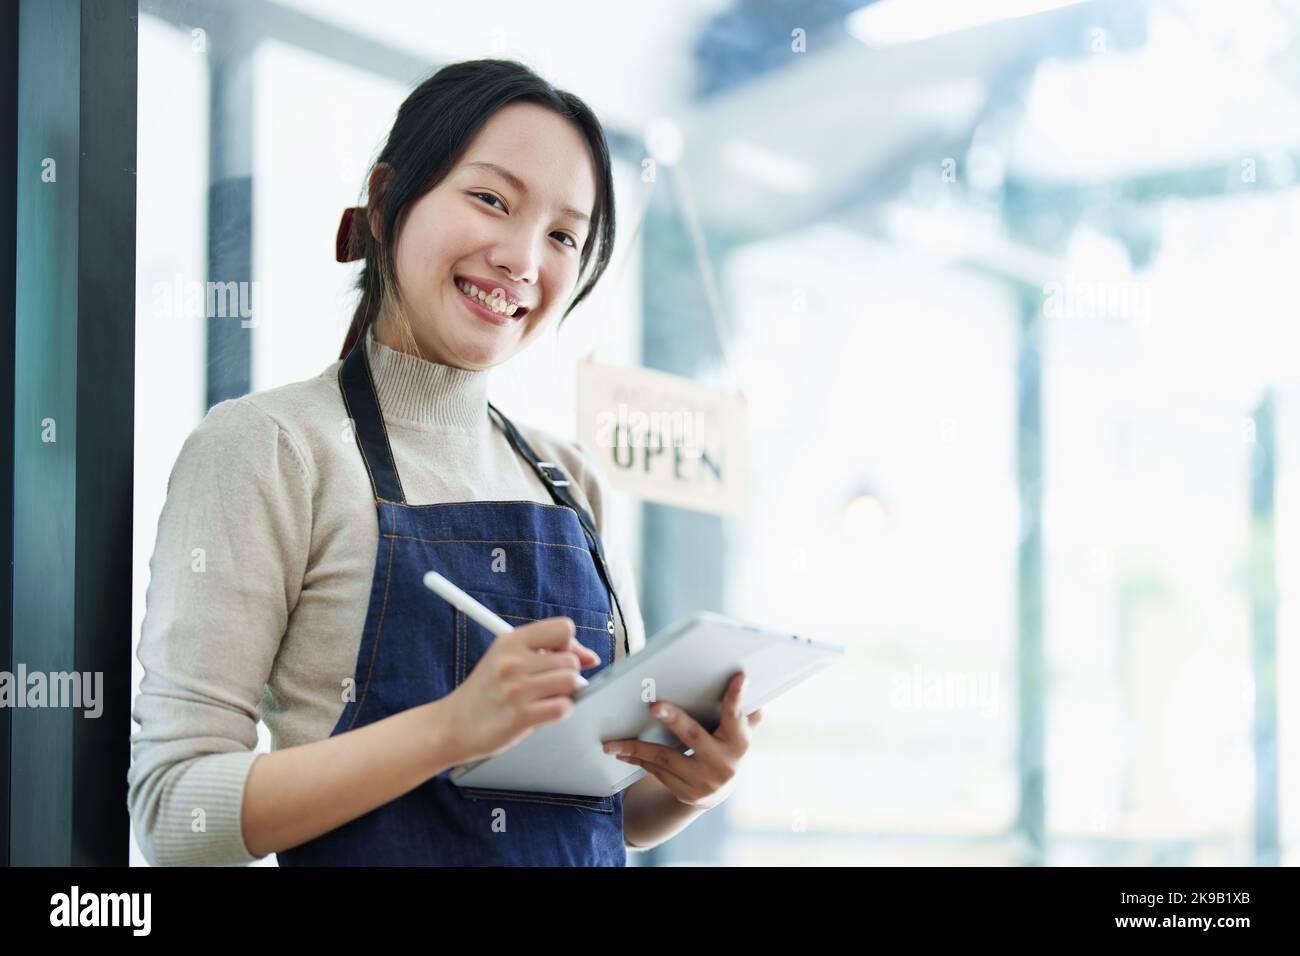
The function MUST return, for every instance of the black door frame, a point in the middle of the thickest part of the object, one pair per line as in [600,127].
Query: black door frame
[68,352]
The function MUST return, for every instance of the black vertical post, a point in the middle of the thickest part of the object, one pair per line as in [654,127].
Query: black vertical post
[1263,601]
[8,242]
[73,422]
[230,204]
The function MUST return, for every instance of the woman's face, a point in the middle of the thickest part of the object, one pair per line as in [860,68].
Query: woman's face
[521,237]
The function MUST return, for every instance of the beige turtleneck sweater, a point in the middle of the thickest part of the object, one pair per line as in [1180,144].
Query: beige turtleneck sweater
[261,572]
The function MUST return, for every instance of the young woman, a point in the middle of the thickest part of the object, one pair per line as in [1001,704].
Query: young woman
[275,592]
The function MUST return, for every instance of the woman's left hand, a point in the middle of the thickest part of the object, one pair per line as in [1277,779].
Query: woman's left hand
[702,779]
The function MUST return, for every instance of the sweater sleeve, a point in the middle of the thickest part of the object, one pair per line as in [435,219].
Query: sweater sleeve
[226,572]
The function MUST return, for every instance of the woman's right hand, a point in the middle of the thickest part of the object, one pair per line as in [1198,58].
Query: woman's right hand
[523,681]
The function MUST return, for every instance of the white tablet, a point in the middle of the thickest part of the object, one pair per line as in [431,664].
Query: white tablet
[689,665]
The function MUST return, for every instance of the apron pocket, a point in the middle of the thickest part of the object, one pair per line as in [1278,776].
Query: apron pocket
[593,628]
[599,804]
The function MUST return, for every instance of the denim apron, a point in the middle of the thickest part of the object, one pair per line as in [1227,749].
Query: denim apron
[523,560]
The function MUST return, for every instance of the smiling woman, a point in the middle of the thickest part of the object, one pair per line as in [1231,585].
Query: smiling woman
[490,202]
[493,188]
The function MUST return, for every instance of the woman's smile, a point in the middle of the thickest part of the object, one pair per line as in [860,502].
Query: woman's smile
[483,312]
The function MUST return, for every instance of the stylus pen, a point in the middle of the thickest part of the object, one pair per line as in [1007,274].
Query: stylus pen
[463,602]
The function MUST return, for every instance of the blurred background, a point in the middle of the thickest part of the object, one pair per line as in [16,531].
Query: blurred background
[1005,285]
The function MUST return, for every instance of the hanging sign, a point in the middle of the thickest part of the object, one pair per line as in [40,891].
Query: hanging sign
[665,438]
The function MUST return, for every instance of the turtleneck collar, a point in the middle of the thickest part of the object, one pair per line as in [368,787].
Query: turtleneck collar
[427,394]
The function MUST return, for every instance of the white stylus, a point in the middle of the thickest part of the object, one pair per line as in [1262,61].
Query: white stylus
[461,601]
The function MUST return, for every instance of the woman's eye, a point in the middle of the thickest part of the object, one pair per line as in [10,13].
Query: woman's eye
[563,235]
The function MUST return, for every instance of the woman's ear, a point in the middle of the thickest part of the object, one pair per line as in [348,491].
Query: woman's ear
[381,178]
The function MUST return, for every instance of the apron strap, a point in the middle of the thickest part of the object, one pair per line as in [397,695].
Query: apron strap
[558,484]
[358,388]
[359,398]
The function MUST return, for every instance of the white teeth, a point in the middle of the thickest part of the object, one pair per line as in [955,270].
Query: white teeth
[496,303]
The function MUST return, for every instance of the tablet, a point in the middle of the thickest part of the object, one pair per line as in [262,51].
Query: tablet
[688,664]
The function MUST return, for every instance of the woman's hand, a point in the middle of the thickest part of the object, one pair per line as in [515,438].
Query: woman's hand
[524,680]
[702,779]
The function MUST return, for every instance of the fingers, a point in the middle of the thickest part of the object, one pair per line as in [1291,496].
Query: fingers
[538,663]
[589,657]
[734,727]
[675,785]
[701,778]
[579,654]
[733,696]
[562,681]
[689,731]
[548,634]
[554,634]
[659,759]
[548,710]
[546,698]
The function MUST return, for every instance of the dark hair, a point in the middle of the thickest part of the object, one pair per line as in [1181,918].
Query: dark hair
[433,128]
